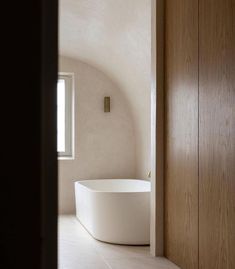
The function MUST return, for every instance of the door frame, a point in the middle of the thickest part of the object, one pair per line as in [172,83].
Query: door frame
[157,129]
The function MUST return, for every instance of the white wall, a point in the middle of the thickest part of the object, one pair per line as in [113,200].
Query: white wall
[115,37]
[104,142]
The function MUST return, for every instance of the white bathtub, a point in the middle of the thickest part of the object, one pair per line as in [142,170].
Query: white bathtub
[115,210]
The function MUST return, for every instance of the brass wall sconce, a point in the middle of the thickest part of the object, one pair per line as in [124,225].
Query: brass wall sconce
[107,104]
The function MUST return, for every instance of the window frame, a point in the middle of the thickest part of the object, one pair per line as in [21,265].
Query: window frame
[69,153]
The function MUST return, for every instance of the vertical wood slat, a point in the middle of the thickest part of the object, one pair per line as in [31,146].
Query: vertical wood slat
[181,161]
[217,134]
[157,130]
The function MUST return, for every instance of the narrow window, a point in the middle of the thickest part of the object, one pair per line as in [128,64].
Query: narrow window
[65,116]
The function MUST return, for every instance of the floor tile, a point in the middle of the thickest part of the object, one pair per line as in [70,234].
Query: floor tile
[77,249]
[140,263]
[118,251]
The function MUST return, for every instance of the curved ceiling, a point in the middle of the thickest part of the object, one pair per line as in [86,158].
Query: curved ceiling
[115,37]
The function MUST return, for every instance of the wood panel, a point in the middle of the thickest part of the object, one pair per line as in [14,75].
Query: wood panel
[157,130]
[217,134]
[181,161]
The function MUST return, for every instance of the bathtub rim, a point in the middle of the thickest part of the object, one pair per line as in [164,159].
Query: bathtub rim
[114,192]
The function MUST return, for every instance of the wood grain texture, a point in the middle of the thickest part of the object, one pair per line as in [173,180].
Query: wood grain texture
[157,130]
[159,165]
[181,161]
[217,134]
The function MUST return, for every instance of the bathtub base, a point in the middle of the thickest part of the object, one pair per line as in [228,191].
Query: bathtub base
[109,242]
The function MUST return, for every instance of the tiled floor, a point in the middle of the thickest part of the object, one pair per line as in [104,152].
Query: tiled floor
[78,250]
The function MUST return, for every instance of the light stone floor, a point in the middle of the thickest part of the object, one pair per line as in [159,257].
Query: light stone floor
[79,250]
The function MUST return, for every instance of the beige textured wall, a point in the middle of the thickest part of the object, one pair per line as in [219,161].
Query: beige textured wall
[115,37]
[104,142]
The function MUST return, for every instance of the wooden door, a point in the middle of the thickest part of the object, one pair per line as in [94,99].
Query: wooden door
[217,134]
[181,132]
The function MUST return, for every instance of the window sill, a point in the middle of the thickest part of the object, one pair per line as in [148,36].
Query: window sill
[63,158]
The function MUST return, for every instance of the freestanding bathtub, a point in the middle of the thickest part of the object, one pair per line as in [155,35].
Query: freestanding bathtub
[115,210]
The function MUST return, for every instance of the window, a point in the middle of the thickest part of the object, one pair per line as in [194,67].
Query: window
[65,116]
